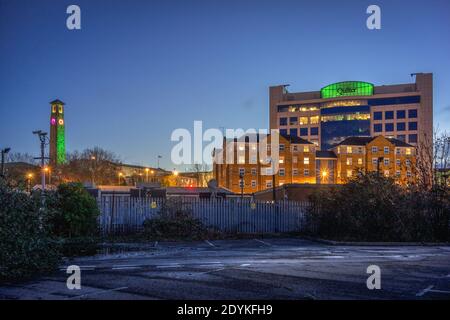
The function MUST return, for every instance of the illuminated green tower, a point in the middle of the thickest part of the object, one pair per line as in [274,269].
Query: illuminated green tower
[57,133]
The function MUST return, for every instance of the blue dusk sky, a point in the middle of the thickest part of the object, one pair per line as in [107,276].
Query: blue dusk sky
[137,70]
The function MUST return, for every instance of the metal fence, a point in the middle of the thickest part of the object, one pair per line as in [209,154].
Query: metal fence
[125,214]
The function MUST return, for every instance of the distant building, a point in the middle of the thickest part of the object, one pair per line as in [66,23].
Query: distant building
[300,162]
[355,108]
[57,133]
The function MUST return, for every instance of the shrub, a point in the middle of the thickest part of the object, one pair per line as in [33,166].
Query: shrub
[73,212]
[375,208]
[173,222]
[25,245]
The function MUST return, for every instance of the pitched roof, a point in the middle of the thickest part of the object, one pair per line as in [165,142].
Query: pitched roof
[399,143]
[325,154]
[57,101]
[291,139]
[295,139]
[355,141]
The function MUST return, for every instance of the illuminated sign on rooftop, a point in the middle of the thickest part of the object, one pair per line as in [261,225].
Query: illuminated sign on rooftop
[346,89]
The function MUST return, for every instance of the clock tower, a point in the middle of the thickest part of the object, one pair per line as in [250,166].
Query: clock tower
[57,133]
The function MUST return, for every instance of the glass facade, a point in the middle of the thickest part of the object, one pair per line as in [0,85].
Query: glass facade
[339,123]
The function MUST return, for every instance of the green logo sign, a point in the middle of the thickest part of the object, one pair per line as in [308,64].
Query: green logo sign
[347,88]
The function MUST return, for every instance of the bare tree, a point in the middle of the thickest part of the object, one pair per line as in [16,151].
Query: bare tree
[21,157]
[202,173]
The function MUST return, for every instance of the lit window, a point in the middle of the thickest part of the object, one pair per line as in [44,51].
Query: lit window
[360,161]
[61,122]
[306,160]
[281,160]
[294,159]
[408,151]
[60,109]
[338,150]
[241,159]
[314,120]
[303,120]
[349,173]
[241,148]
[54,108]
[386,173]
[349,149]
[386,150]
[349,161]
[281,172]
[306,149]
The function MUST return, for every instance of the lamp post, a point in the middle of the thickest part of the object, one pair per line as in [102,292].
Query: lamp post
[49,172]
[119,176]
[29,176]
[43,139]
[4,152]
[146,174]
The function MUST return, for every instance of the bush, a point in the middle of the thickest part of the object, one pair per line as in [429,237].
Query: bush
[25,245]
[73,212]
[173,222]
[375,208]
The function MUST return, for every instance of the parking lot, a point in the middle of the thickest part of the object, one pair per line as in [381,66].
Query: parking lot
[248,269]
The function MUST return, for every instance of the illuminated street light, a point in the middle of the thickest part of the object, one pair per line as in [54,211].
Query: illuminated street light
[119,176]
[175,173]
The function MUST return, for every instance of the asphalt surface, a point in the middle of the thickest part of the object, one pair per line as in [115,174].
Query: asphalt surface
[249,269]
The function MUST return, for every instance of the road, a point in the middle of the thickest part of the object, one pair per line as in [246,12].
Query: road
[249,269]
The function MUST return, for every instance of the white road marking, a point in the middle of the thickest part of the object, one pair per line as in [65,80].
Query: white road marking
[169,266]
[209,242]
[421,293]
[97,292]
[245,264]
[263,242]
[439,291]
[124,267]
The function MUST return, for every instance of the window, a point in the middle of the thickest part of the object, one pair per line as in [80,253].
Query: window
[281,147]
[401,126]
[397,173]
[293,121]
[305,160]
[412,138]
[241,183]
[401,137]
[241,171]
[386,150]
[397,150]
[60,109]
[378,115]
[349,173]
[401,114]
[386,161]
[360,161]
[412,113]
[283,132]
[386,173]
[408,174]
[283,121]
[253,183]
[294,159]
[315,131]
[303,120]
[377,127]
[268,183]
[281,172]
[349,161]
[349,149]
[293,132]
[241,159]
[303,132]
[374,161]
[281,159]
[253,171]
[389,127]
[374,149]
[253,159]
[388,115]
[281,182]
[295,172]
[408,151]
[306,172]
[412,126]
[294,148]
[398,162]
[314,120]
[408,162]
[360,150]
[54,108]
[305,148]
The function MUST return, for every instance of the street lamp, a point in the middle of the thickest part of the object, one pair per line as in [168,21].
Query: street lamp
[146,174]
[4,152]
[47,170]
[324,174]
[120,175]
[29,176]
